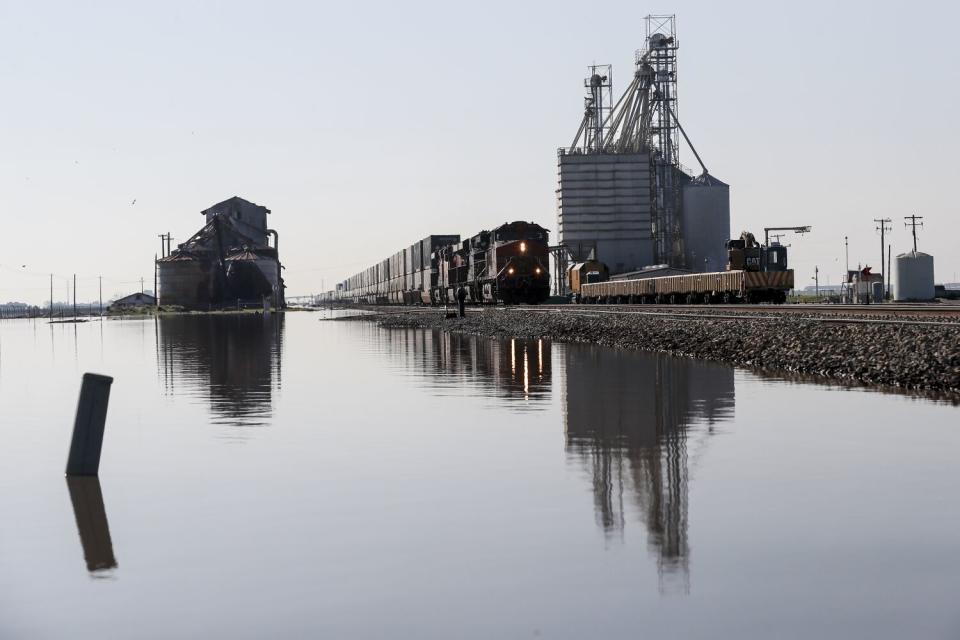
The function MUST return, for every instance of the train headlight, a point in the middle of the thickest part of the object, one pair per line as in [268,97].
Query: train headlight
[537,270]
[510,270]
[523,247]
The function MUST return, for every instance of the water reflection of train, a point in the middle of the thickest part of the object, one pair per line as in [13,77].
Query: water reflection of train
[629,419]
[233,360]
[513,369]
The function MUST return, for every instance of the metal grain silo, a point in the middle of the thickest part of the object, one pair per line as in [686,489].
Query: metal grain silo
[605,208]
[251,276]
[913,276]
[184,280]
[705,223]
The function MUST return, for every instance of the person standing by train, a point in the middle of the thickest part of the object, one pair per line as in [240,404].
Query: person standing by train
[462,301]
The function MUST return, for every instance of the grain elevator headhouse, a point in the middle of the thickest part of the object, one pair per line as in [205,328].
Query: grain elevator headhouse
[623,197]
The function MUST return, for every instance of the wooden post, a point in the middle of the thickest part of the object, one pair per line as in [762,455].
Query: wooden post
[84,459]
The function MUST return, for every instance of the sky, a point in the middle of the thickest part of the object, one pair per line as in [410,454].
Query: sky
[365,126]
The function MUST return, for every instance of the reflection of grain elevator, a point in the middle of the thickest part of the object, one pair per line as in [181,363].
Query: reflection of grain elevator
[636,421]
[623,195]
[228,262]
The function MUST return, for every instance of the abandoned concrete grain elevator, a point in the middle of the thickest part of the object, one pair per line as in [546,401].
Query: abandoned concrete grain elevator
[229,262]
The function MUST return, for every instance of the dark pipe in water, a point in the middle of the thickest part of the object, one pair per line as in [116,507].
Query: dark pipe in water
[87,441]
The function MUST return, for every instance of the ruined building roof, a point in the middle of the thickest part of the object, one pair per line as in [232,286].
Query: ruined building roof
[204,241]
[231,203]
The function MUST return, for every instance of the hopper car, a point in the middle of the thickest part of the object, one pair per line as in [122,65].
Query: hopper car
[755,273]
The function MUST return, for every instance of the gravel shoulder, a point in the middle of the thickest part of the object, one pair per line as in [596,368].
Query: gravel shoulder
[920,358]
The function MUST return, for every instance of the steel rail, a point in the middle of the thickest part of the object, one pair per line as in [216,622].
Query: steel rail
[585,311]
[711,316]
[946,310]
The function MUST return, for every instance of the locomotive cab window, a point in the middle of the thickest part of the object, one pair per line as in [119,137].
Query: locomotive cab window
[523,233]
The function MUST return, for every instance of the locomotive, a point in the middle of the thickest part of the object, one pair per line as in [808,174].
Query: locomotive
[755,273]
[508,264]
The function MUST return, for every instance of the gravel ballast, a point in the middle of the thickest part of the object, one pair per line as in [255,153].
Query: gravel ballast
[906,356]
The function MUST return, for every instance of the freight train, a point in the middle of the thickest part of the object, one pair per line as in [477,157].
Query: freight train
[508,264]
[755,273]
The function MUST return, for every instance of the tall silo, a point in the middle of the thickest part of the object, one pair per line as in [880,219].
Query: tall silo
[604,203]
[705,223]
[913,276]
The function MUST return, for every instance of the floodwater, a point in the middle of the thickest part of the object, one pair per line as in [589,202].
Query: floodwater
[292,477]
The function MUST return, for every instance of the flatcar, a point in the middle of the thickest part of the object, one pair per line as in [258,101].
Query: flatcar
[755,273]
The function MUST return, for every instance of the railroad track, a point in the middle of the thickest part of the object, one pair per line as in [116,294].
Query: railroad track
[944,310]
[923,315]
[691,316]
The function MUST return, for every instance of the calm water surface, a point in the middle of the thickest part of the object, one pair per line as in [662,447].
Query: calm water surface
[290,477]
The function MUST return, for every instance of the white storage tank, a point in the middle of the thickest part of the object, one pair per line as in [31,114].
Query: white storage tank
[913,276]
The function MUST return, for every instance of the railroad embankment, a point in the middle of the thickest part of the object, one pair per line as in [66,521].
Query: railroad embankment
[903,354]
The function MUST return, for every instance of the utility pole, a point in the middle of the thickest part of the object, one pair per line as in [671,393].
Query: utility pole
[913,223]
[141,285]
[163,238]
[51,296]
[74,296]
[883,228]
[100,278]
[888,271]
[156,294]
[168,243]
[816,280]
[846,273]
